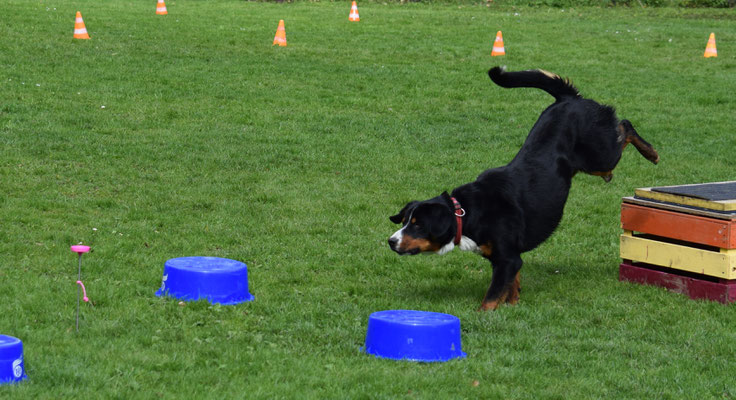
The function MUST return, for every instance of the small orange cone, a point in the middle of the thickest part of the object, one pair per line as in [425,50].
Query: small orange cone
[80,31]
[498,49]
[710,48]
[161,8]
[280,38]
[354,13]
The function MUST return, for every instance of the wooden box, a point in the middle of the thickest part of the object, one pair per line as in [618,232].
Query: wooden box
[682,238]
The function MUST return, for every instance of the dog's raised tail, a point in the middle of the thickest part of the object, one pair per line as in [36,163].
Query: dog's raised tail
[551,83]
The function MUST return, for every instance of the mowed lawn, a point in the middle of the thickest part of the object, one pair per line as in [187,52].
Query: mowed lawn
[191,135]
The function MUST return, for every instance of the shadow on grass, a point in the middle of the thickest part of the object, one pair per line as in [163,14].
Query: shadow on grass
[464,285]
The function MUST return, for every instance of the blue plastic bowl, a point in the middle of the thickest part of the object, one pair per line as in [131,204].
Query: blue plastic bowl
[413,336]
[217,280]
[11,360]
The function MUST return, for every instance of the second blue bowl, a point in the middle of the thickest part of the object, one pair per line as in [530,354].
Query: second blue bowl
[217,280]
[414,336]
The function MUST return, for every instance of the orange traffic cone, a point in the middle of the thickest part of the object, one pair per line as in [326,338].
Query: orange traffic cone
[710,48]
[80,31]
[280,38]
[498,49]
[161,8]
[354,13]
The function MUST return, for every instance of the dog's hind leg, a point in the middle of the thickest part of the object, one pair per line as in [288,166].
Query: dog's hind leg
[607,176]
[628,134]
[625,134]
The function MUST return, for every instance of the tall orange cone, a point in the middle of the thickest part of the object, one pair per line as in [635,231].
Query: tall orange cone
[710,48]
[280,38]
[354,13]
[80,31]
[498,49]
[161,8]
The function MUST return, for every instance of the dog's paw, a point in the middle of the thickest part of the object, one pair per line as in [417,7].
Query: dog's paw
[489,305]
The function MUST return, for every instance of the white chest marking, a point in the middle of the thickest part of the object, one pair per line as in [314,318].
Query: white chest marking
[466,244]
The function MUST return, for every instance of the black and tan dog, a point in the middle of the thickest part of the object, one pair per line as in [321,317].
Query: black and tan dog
[512,209]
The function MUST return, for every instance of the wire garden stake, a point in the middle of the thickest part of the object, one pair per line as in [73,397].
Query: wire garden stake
[79,249]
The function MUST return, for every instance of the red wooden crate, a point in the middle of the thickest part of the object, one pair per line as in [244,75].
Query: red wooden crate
[695,287]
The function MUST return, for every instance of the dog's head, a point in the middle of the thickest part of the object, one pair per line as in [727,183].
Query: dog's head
[427,227]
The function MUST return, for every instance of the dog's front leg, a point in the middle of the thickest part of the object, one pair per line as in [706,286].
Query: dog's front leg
[504,283]
[514,291]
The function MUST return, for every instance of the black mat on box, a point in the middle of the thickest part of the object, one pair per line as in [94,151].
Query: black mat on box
[705,191]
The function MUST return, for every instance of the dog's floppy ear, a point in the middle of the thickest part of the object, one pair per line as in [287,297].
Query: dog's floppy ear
[441,225]
[437,218]
[398,218]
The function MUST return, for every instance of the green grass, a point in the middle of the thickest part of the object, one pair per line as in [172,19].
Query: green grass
[190,134]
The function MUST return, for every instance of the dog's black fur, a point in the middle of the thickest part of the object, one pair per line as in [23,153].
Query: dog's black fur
[512,209]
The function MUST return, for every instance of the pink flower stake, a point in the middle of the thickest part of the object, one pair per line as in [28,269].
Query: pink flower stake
[79,249]
[85,298]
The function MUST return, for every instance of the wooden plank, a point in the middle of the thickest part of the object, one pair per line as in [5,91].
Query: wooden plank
[722,291]
[720,205]
[690,228]
[707,262]
[730,216]
[713,191]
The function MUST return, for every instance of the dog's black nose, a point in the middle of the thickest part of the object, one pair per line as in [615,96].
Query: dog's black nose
[392,242]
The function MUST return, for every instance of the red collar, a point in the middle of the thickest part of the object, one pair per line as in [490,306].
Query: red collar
[459,214]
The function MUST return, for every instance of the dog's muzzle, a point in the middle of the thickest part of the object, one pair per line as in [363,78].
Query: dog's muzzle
[394,242]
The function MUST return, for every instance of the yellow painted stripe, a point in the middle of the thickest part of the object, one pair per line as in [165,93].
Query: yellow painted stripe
[712,263]
[721,205]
